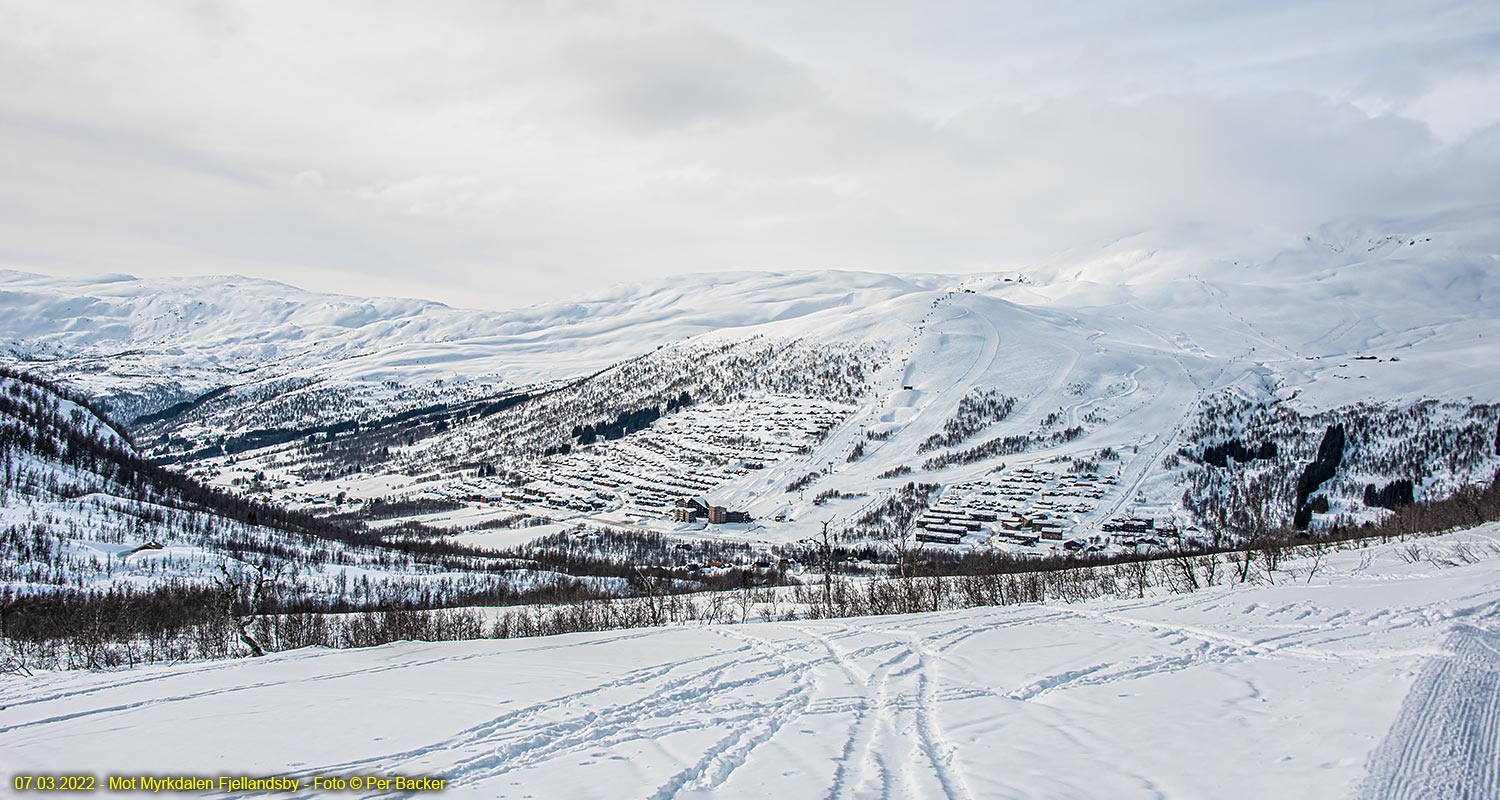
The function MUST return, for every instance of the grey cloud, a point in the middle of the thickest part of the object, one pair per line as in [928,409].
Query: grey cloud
[500,153]
[670,78]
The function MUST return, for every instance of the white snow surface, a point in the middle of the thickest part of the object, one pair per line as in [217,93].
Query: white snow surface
[1368,676]
[1126,343]
[120,331]
[1220,305]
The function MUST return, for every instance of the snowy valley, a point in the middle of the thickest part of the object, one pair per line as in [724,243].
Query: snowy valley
[1141,494]
[712,399]
[803,398]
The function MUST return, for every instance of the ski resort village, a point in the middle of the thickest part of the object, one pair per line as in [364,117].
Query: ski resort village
[904,524]
[750,400]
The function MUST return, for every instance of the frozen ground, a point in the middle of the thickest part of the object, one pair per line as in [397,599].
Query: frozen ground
[1364,675]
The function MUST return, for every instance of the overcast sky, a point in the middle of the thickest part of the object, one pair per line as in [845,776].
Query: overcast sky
[498,153]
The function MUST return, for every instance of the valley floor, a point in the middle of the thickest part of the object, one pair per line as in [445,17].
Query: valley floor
[1369,674]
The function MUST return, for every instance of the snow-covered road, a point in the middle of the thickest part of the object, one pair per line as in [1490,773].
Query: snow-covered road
[1371,677]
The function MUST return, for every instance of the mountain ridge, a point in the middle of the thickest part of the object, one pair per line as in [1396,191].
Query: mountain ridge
[830,384]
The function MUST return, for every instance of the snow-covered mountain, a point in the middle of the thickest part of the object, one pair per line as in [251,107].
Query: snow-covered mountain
[82,515]
[809,396]
[140,345]
[336,471]
[1341,290]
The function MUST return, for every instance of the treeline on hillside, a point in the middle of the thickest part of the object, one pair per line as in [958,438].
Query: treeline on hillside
[1437,445]
[347,443]
[1218,455]
[1394,495]
[40,430]
[178,409]
[1003,446]
[100,631]
[382,508]
[1315,474]
[978,410]
[62,392]
[628,422]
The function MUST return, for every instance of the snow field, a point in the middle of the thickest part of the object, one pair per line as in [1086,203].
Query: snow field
[1125,342]
[1363,669]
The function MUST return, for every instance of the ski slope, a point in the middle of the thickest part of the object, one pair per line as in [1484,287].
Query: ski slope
[1363,674]
[1443,742]
[1117,350]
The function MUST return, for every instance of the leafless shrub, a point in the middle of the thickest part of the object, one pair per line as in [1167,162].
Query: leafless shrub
[1315,563]
[1411,553]
[13,659]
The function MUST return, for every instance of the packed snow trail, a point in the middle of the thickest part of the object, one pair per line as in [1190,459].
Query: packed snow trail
[1446,743]
[1293,689]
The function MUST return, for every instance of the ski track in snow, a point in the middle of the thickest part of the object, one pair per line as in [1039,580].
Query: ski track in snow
[531,735]
[1235,691]
[1446,741]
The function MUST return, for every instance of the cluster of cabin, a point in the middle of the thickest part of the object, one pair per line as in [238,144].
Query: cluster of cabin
[1024,506]
[949,524]
[649,473]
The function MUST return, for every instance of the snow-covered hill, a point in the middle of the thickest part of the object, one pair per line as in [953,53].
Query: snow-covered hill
[143,344]
[1161,395]
[1366,673]
[808,397]
[82,514]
